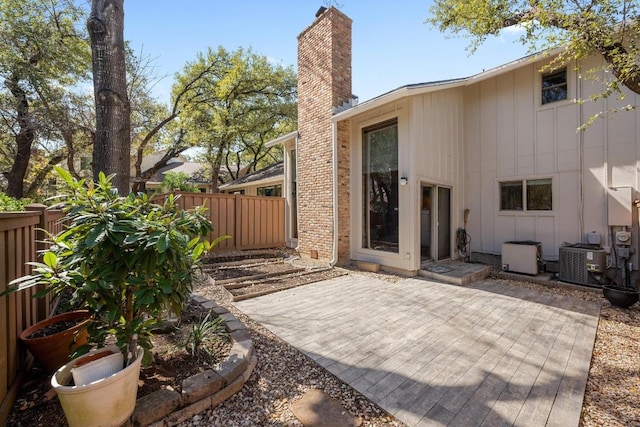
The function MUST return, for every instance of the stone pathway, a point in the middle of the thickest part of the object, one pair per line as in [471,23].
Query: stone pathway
[435,354]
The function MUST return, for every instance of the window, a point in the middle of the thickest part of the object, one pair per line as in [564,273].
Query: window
[554,87]
[538,195]
[380,187]
[511,196]
[270,191]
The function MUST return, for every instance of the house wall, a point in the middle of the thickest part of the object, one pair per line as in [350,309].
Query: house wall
[437,147]
[252,189]
[431,148]
[511,136]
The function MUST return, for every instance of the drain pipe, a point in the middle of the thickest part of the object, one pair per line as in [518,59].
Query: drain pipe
[297,248]
[334,162]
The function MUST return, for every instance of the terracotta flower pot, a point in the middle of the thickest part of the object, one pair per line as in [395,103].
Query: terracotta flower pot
[52,351]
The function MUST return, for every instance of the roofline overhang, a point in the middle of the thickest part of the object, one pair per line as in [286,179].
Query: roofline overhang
[419,89]
[282,139]
[270,180]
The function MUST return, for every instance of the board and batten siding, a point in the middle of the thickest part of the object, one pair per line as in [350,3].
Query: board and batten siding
[431,151]
[511,136]
[436,156]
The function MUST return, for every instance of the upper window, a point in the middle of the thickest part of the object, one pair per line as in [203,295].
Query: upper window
[554,86]
[535,194]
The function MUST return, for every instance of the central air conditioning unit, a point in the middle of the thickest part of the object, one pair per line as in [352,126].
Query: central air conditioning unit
[582,264]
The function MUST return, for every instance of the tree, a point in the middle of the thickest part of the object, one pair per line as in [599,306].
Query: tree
[43,50]
[67,129]
[239,101]
[153,125]
[584,27]
[178,181]
[112,144]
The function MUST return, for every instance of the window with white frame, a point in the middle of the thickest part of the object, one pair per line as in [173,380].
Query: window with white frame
[554,86]
[527,194]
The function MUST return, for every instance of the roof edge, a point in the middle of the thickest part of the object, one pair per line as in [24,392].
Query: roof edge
[282,139]
[420,88]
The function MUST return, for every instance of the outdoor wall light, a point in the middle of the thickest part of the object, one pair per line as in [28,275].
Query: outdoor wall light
[403,180]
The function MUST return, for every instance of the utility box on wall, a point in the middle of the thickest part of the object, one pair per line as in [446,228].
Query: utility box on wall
[521,256]
[619,206]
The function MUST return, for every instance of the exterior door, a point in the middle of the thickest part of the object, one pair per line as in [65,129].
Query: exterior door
[426,209]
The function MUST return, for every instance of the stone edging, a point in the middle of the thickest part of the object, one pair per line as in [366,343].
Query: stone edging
[207,389]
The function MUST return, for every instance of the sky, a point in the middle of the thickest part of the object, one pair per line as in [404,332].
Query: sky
[392,46]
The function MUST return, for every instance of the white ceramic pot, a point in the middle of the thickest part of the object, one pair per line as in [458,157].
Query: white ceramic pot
[106,402]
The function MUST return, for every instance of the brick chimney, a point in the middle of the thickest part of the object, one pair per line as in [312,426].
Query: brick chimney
[324,82]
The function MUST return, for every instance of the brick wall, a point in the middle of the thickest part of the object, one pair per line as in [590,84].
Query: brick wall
[324,82]
[344,194]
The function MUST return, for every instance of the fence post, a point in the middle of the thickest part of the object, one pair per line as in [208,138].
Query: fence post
[237,238]
[41,246]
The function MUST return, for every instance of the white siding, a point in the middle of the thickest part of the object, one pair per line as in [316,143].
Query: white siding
[437,147]
[510,136]
[430,138]
[473,137]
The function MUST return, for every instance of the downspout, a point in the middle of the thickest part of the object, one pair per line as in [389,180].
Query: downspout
[579,83]
[334,163]
[295,144]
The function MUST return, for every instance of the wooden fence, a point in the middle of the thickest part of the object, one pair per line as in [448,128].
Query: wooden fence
[20,239]
[252,222]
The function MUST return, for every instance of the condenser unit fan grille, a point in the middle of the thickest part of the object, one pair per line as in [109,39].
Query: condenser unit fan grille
[573,266]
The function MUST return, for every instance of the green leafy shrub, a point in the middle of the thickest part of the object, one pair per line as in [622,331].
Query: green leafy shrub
[178,181]
[9,204]
[124,258]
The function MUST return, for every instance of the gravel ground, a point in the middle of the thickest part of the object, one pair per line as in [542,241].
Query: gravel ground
[284,374]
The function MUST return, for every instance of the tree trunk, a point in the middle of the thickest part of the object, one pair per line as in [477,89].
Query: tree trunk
[215,167]
[24,139]
[112,145]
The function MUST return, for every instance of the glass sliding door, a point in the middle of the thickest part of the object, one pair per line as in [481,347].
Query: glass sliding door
[380,187]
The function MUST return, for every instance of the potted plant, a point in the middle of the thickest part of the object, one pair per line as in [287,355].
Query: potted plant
[127,261]
[51,341]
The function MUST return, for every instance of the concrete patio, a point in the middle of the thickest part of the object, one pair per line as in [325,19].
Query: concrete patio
[437,354]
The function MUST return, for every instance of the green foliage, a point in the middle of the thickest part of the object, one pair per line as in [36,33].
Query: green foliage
[204,333]
[125,259]
[9,204]
[44,57]
[583,28]
[178,181]
[241,101]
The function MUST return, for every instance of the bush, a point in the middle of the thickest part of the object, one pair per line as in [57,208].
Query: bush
[9,204]
[178,181]
[125,259]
